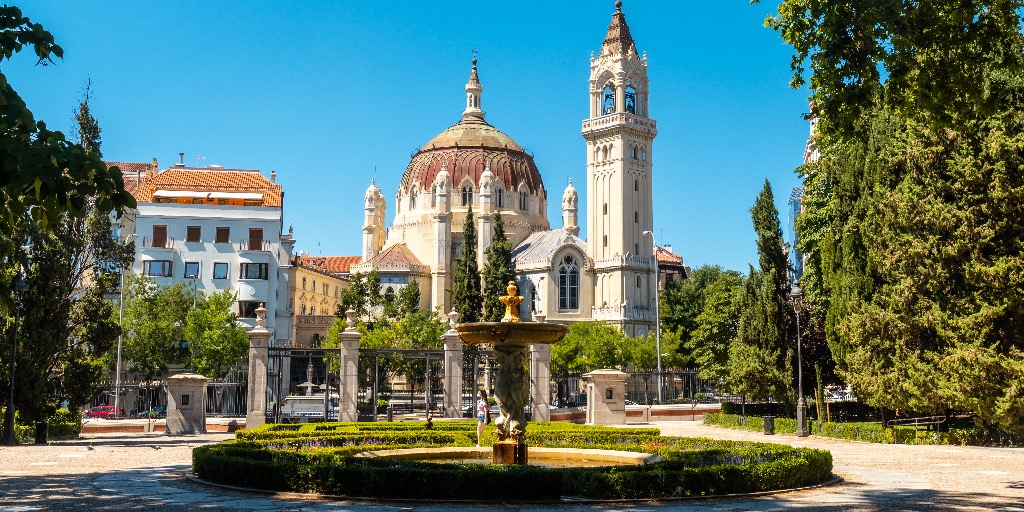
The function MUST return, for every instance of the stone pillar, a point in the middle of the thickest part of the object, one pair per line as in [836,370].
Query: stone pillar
[606,397]
[348,383]
[540,382]
[259,354]
[452,368]
[186,404]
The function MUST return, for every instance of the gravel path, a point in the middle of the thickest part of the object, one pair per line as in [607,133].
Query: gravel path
[146,472]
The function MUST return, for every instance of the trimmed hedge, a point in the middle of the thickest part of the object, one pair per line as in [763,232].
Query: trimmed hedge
[873,432]
[62,425]
[320,460]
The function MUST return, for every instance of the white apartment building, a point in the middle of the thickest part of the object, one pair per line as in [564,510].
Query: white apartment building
[216,229]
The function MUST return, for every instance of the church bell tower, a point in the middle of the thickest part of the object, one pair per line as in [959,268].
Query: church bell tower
[619,135]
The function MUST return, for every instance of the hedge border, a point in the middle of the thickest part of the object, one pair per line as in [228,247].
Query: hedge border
[696,467]
[868,432]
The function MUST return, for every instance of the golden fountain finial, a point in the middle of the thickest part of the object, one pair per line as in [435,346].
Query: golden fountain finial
[511,302]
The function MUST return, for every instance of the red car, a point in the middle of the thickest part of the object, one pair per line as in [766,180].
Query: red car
[102,411]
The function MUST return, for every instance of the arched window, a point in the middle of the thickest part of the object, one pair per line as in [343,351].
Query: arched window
[467,195]
[568,284]
[638,281]
[636,217]
[630,99]
[303,284]
[412,199]
[643,154]
[533,299]
[636,185]
[636,249]
[524,200]
[501,196]
[608,99]
[635,153]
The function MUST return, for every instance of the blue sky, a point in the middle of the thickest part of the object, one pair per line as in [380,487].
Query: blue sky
[332,94]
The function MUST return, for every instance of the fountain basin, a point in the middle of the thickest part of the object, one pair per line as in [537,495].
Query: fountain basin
[518,333]
[547,457]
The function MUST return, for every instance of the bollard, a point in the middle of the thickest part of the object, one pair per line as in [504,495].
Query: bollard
[769,425]
[391,414]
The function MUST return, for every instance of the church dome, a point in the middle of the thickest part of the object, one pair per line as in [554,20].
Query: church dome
[468,147]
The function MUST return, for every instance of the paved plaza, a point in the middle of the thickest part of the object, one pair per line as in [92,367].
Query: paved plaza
[147,472]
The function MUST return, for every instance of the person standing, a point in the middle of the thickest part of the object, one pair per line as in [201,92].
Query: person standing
[483,410]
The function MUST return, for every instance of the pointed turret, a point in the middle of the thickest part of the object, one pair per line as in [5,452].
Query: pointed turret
[473,92]
[373,221]
[570,206]
[618,41]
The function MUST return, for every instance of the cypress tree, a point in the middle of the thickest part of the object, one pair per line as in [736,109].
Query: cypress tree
[497,272]
[466,297]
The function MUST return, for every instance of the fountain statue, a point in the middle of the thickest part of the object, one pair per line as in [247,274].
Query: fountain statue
[511,339]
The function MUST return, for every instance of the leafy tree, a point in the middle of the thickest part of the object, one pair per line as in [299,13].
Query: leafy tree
[154,325]
[760,357]
[681,303]
[217,342]
[717,326]
[497,272]
[466,297]
[934,59]
[43,176]
[409,298]
[590,346]
[354,297]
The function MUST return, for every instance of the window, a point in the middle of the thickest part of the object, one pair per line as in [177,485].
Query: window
[157,268]
[568,284]
[326,287]
[630,99]
[606,240]
[254,271]
[222,202]
[533,299]
[255,239]
[223,235]
[247,308]
[524,201]
[197,200]
[638,281]
[636,249]
[303,283]
[193,234]
[608,99]
[636,185]
[159,236]
[636,217]
[302,310]
[220,270]
[467,195]
[501,195]
[412,199]
[191,269]
[605,209]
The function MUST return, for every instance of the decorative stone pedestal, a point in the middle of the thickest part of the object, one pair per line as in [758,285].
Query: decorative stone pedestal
[259,355]
[186,404]
[510,451]
[606,397]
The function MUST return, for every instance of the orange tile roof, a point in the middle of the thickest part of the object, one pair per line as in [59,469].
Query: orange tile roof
[129,167]
[666,256]
[210,180]
[327,264]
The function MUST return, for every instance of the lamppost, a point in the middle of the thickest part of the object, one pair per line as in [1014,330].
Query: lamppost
[120,322]
[801,406]
[19,286]
[657,309]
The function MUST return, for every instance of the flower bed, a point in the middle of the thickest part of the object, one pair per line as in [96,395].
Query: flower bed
[319,459]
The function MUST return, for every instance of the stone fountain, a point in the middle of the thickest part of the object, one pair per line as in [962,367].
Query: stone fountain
[511,340]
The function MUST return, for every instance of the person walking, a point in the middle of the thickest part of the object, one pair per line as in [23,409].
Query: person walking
[483,411]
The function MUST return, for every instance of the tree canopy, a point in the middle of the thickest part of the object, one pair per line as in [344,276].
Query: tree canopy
[466,296]
[497,272]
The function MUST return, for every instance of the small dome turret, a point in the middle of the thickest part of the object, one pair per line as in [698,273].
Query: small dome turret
[571,198]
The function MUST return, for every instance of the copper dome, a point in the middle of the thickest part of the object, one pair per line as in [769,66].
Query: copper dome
[464,149]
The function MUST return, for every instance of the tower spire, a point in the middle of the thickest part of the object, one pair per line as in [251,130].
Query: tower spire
[618,40]
[473,92]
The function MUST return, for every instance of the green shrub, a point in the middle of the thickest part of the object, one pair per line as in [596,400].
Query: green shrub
[319,459]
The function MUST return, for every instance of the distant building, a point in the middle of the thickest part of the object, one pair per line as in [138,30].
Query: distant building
[671,268]
[315,293]
[472,164]
[216,229]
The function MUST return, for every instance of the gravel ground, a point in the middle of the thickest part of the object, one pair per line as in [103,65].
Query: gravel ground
[147,472]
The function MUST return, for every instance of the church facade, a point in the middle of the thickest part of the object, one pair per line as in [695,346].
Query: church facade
[474,166]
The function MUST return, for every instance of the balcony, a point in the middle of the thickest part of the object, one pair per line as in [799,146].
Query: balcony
[254,244]
[157,242]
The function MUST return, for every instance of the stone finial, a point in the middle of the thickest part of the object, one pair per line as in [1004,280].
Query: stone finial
[350,318]
[261,315]
[453,318]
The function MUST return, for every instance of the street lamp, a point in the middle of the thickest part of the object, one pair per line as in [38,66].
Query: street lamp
[120,321]
[657,310]
[19,286]
[801,406]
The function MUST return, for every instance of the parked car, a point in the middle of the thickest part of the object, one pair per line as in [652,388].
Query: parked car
[157,412]
[102,411]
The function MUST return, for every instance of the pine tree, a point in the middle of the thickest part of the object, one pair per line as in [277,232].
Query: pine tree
[88,128]
[466,297]
[497,272]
